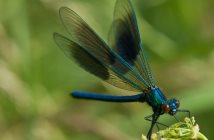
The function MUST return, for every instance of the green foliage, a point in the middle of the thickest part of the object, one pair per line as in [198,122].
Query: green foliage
[186,130]
[36,77]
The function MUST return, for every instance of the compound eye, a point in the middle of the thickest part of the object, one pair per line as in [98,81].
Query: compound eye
[166,108]
[177,103]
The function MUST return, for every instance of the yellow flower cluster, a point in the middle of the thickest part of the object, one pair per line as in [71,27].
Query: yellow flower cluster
[187,130]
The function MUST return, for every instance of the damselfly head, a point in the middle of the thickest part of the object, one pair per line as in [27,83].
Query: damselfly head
[174,105]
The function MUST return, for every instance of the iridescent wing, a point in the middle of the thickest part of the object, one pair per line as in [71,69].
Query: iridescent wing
[125,40]
[93,54]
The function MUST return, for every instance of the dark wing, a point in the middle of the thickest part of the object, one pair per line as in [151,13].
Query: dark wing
[125,39]
[89,62]
[92,54]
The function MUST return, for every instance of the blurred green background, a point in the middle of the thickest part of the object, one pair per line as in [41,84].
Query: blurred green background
[36,77]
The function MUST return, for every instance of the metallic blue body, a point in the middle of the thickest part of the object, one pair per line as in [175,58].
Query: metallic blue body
[108,98]
[154,97]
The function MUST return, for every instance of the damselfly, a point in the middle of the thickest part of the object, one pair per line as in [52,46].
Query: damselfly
[122,62]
